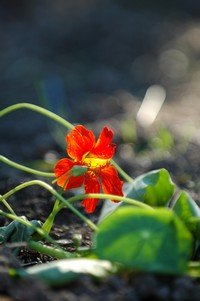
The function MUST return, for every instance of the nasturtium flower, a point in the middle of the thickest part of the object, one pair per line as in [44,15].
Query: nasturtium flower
[89,165]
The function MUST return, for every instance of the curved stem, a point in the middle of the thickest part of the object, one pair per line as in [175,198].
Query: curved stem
[53,192]
[38,109]
[49,221]
[111,197]
[7,205]
[50,251]
[26,169]
[122,172]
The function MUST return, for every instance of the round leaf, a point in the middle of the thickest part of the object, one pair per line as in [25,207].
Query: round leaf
[185,207]
[154,188]
[145,240]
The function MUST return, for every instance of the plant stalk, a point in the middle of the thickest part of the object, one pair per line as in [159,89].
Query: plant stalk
[110,197]
[26,169]
[122,172]
[7,205]
[37,109]
[50,251]
[50,220]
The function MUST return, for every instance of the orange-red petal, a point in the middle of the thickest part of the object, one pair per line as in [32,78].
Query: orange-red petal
[74,182]
[104,148]
[111,182]
[92,185]
[62,173]
[62,167]
[79,141]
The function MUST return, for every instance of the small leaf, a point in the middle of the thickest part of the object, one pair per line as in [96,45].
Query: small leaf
[186,208]
[188,211]
[60,272]
[2,234]
[17,232]
[145,240]
[193,225]
[154,188]
[78,170]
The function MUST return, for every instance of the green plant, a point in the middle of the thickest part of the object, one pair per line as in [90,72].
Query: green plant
[145,230]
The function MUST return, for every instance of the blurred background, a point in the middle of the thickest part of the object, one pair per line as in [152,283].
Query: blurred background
[134,65]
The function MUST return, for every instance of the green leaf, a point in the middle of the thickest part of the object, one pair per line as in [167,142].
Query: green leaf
[78,170]
[60,272]
[154,188]
[186,209]
[189,212]
[17,232]
[193,225]
[2,234]
[145,240]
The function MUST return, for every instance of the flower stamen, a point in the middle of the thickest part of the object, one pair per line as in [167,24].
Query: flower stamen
[94,162]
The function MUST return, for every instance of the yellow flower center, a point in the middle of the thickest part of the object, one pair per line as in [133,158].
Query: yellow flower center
[94,162]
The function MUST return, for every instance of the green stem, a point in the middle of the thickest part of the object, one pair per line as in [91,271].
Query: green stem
[111,197]
[7,205]
[122,172]
[49,221]
[53,192]
[37,109]
[26,169]
[47,250]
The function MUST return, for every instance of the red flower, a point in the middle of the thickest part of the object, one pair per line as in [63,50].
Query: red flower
[89,165]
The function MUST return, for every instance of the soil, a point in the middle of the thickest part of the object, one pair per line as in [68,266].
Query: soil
[106,81]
